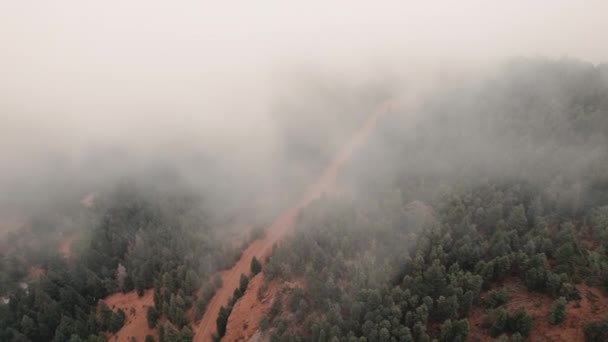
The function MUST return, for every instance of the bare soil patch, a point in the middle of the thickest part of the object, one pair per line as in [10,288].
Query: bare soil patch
[65,245]
[136,324]
[593,305]
[36,271]
[263,247]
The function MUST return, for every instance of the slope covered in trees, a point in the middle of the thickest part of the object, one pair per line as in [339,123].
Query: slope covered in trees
[514,169]
[454,215]
[281,226]
[142,238]
[156,238]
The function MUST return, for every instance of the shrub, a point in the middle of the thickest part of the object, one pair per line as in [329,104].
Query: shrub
[596,331]
[497,298]
[558,311]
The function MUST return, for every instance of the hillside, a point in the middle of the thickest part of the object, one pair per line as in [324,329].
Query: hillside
[510,243]
[477,212]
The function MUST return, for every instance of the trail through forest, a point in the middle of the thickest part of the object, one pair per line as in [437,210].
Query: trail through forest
[282,225]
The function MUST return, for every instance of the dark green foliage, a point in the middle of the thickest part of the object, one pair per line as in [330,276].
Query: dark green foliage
[557,312]
[596,331]
[152,316]
[264,324]
[520,322]
[236,295]
[191,282]
[437,281]
[140,238]
[199,309]
[256,266]
[497,298]
[454,331]
[499,321]
[105,314]
[517,219]
[187,334]
[167,333]
[117,321]
[275,309]
[177,311]
[243,282]
[222,320]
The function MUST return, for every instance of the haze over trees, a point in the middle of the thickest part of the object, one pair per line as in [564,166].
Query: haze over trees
[513,178]
[505,179]
[147,148]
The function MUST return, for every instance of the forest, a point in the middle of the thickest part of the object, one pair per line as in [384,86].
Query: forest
[140,238]
[503,181]
[323,171]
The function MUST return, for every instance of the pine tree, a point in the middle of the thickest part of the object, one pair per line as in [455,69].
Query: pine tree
[558,311]
[243,283]
[117,321]
[517,219]
[152,316]
[256,266]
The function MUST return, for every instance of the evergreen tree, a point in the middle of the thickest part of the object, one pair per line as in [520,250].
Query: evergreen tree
[256,266]
[557,313]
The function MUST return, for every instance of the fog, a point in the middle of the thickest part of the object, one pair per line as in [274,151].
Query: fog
[93,92]
[382,169]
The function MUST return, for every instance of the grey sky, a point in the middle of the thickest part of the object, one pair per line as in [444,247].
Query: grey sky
[148,74]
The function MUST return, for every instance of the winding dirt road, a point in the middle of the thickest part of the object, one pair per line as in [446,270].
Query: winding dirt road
[282,225]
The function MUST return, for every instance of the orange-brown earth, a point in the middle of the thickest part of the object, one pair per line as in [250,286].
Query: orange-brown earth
[88,201]
[36,271]
[593,305]
[239,326]
[65,246]
[262,247]
[242,327]
[244,321]
[136,324]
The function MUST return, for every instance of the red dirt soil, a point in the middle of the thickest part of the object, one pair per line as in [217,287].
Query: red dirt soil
[263,247]
[135,325]
[240,327]
[244,321]
[65,247]
[593,305]
[36,271]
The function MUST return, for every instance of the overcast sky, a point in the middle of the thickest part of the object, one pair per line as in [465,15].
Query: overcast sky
[148,73]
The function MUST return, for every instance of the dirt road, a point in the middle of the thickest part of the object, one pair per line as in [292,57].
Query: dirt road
[283,224]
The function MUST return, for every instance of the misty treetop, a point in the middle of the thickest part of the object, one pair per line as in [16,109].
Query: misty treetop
[503,180]
[514,176]
[142,238]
